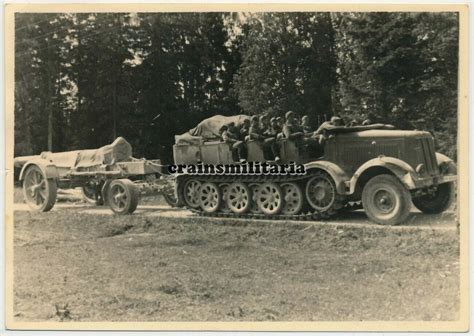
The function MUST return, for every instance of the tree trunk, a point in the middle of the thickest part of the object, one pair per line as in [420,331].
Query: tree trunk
[114,110]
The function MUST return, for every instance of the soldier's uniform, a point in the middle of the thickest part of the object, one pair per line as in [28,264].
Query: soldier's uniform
[275,128]
[291,129]
[307,130]
[295,132]
[232,136]
[244,129]
[335,121]
[257,133]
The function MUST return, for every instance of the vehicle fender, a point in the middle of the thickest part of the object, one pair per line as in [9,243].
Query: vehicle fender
[444,160]
[336,172]
[440,158]
[399,168]
[48,169]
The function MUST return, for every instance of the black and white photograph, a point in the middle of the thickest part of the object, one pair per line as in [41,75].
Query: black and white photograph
[259,165]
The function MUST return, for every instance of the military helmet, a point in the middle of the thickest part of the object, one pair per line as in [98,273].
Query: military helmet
[336,120]
[254,118]
[289,114]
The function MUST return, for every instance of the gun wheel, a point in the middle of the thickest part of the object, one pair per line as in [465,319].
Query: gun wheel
[91,193]
[270,198]
[209,197]
[293,198]
[39,192]
[321,192]
[239,198]
[191,193]
[171,199]
[123,196]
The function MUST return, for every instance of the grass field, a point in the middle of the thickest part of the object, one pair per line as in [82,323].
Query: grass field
[155,269]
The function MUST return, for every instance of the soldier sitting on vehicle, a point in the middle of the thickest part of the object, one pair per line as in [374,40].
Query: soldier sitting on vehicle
[279,126]
[352,123]
[293,131]
[256,133]
[244,129]
[335,121]
[264,123]
[308,131]
[275,127]
[231,135]
[321,132]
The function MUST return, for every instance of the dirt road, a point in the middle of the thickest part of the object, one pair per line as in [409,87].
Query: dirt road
[445,221]
[163,264]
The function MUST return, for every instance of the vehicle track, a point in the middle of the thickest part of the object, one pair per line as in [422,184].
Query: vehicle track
[356,219]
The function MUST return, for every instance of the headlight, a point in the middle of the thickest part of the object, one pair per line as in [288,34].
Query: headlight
[444,167]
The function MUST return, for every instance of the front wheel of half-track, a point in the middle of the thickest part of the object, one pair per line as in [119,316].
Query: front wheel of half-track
[437,202]
[385,200]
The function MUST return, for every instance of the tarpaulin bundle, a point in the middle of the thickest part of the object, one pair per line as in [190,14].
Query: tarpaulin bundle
[209,129]
[118,151]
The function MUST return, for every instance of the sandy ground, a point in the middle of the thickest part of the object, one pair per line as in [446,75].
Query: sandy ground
[162,264]
[70,200]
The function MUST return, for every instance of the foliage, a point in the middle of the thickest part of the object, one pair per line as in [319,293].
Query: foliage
[288,64]
[400,68]
[81,79]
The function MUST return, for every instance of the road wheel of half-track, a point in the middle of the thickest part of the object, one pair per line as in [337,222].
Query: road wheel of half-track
[239,198]
[210,197]
[293,197]
[270,198]
[224,188]
[385,200]
[254,190]
[191,193]
[321,193]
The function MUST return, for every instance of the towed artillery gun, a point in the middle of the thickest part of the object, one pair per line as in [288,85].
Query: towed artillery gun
[108,175]
[375,166]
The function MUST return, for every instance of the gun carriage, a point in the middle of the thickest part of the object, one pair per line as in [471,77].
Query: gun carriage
[108,175]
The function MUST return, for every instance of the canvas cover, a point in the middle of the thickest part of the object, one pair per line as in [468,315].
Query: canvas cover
[208,129]
[120,150]
[344,129]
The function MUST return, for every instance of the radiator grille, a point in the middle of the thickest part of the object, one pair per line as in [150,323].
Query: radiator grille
[429,157]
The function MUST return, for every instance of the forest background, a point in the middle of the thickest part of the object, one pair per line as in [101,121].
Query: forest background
[82,79]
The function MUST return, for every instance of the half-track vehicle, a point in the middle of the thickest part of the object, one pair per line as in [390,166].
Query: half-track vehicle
[382,169]
[376,167]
